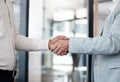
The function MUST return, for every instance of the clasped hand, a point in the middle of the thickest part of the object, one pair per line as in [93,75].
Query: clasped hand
[59,45]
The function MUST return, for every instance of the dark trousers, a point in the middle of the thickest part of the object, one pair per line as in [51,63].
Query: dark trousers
[6,76]
[6,79]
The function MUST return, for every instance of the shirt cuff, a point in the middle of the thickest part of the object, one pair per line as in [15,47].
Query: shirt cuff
[46,44]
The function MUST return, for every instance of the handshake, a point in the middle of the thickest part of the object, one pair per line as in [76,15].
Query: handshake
[59,45]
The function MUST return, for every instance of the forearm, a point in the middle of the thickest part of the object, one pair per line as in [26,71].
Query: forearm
[96,46]
[28,44]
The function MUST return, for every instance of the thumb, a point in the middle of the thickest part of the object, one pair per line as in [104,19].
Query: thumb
[52,47]
[55,39]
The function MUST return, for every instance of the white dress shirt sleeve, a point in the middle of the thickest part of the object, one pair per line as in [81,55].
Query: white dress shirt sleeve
[28,44]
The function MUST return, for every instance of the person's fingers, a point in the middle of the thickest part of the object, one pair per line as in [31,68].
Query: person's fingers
[50,45]
[64,53]
[53,47]
[55,51]
[55,39]
[59,47]
[62,46]
[66,38]
[60,51]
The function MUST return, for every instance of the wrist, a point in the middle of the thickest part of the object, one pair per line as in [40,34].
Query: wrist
[49,44]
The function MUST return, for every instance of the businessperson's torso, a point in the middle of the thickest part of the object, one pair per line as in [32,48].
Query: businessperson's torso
[7,48]
[11,39]
[107,67]
[104,48]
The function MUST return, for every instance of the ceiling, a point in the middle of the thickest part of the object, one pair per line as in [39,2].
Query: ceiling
[53,6]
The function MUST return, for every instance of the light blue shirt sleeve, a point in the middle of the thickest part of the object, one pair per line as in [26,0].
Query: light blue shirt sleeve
[107,44]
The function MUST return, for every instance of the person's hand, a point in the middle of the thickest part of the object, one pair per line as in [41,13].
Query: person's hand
[52,42]
[61,47]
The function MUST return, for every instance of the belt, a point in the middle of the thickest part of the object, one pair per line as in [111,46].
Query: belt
[7,73]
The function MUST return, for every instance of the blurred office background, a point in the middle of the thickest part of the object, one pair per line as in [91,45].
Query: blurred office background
[44,19]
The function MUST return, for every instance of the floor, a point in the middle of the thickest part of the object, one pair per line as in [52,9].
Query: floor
[58,73]
[50,75]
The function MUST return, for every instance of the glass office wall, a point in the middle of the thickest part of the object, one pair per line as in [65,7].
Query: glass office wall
[69,18]
[47,19]
[76,26]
